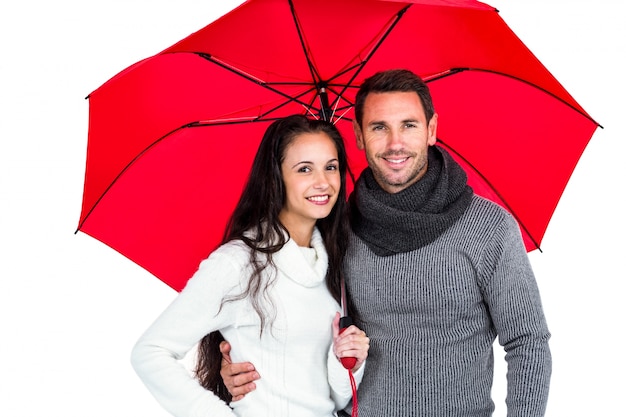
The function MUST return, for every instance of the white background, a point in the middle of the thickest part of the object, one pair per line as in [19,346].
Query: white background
[71,308]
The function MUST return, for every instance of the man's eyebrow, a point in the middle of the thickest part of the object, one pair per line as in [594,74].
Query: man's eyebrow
[382,122]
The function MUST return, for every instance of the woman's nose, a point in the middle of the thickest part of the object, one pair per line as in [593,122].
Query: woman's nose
[321,182]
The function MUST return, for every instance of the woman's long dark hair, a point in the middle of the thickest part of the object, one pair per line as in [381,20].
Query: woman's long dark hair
[255,221]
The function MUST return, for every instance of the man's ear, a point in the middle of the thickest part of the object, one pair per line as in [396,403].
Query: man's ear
[358,134]
[432,130]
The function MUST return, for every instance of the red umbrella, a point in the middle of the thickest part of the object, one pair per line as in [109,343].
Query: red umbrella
[172,137]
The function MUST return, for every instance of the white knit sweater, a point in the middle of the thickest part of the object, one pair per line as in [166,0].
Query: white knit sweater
[300,376]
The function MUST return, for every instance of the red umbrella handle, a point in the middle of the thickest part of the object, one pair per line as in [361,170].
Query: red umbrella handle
[344,323]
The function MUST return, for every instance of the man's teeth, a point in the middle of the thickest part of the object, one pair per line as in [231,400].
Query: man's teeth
[396,161]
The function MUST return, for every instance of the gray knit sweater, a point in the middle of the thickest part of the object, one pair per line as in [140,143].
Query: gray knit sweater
[433,314]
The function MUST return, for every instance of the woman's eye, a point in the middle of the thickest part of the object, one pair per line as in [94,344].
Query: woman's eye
[304,169]
[332,167]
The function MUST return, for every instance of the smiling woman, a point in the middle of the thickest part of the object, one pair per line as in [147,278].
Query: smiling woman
[312,179]
[279,266]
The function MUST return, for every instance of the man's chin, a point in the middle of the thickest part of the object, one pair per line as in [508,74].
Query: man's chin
[394,184]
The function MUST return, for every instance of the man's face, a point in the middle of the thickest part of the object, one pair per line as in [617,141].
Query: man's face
[395,137]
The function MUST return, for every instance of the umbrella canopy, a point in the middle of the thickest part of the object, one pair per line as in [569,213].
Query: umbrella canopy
[172,137]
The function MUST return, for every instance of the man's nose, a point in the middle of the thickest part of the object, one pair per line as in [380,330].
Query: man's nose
[394,139]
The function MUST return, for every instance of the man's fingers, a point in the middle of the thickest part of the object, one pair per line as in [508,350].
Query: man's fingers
[238,378]
[239,392]
[225,350]
[232,369]
[245,378]
[242,384]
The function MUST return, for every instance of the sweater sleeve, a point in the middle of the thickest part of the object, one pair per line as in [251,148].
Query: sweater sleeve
[192,314]
[512,295]
[339,380]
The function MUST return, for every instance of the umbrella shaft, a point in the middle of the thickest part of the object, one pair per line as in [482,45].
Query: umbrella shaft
[325,113]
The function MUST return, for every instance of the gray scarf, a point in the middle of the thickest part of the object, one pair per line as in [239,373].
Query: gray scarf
[414,217]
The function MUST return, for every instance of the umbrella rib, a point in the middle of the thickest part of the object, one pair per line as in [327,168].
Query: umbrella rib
[314,73]
[453,71]
[257,81]
[139,155]
[360,66]
[315,76]
[519,221]
[143,152]
[325,107]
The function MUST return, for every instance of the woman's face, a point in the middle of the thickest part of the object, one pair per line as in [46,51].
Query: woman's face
[310,171]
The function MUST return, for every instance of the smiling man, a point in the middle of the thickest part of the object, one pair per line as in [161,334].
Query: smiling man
[396,135]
